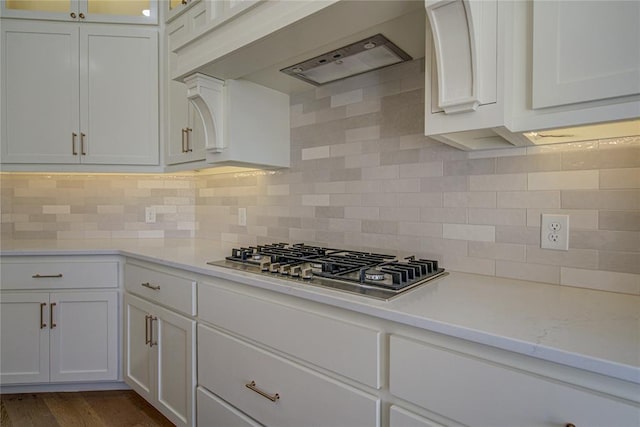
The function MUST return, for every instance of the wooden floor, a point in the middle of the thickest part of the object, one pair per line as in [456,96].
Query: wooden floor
[121,408]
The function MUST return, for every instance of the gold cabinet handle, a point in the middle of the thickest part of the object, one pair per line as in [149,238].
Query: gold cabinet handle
[73,15]
[45,276]
[52,325]
[151,320]
[146,329]
[189,150]
[81,15]
[73,143]
[184,138]
[271,397]
[42,306]
[82,151]
[150,286]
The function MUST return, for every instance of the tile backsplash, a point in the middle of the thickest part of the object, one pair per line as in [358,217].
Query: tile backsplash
[364,176]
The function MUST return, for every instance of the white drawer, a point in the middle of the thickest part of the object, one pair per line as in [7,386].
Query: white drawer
[345,348]
[163,287]
[473,391]
[212,411]
[58,273]
[226,365]
[399,417]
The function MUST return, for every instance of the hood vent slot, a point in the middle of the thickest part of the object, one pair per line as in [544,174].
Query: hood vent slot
[357,58]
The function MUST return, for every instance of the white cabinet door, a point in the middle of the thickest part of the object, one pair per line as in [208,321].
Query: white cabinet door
[138,364]
[159,357]
[84,336]
[585,51]
[174,335]
[40,93]
[119,95]
[24,338]
[79,94]
[185,139]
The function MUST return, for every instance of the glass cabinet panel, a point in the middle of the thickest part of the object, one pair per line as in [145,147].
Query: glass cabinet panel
[119,7]
[175,3]
[39,5]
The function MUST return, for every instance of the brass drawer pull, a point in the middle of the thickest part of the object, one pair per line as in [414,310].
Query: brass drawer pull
[188,150]
[52,325]
[147,340]
[151,342]
[252,386]
[82,135]
[42,306]
[73,136]
[46,276]
[150,286]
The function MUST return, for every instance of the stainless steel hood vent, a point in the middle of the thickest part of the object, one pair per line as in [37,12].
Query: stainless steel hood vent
[357,58]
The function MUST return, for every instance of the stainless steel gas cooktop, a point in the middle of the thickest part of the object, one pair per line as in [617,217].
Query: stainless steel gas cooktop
[370,274]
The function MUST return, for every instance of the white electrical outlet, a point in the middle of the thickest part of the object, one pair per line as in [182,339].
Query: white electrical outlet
[242,216]
[554,232]
[150,215]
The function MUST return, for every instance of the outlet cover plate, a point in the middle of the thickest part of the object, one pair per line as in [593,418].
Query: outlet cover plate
[554,232]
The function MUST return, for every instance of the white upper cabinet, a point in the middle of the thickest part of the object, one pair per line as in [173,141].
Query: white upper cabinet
[585,51]
[184,133]
[67,98]
[27,98]
[124,12]
[496,69]
[245,124]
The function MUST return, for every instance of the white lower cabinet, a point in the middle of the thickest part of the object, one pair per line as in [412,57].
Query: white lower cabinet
[159,358]
[51,332]
[478,392]
[276,391]
[58,337]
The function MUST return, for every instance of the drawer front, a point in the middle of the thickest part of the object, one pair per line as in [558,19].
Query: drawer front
[49,273]
[476,392]
[399,417]
[173,291]
[345,348]
[212,411]
[306,398]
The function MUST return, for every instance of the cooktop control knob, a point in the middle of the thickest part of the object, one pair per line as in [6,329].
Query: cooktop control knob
[284,269]
[274,267]
[265,264]
[307,273]
[295,271]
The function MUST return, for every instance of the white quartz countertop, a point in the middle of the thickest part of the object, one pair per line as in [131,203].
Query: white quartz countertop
[587,329]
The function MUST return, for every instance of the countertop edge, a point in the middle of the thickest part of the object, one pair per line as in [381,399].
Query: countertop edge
[338,299]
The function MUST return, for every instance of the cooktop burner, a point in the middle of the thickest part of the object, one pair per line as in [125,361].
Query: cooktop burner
[371,274]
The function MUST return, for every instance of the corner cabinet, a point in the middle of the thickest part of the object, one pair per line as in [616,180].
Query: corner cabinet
[159,345]
[496,69]
[69,98]
[59,320]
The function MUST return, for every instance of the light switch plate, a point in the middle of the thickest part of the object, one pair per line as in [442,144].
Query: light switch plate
[554,232]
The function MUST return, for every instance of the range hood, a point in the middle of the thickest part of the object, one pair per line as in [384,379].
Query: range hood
[257,53]
[366,55]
